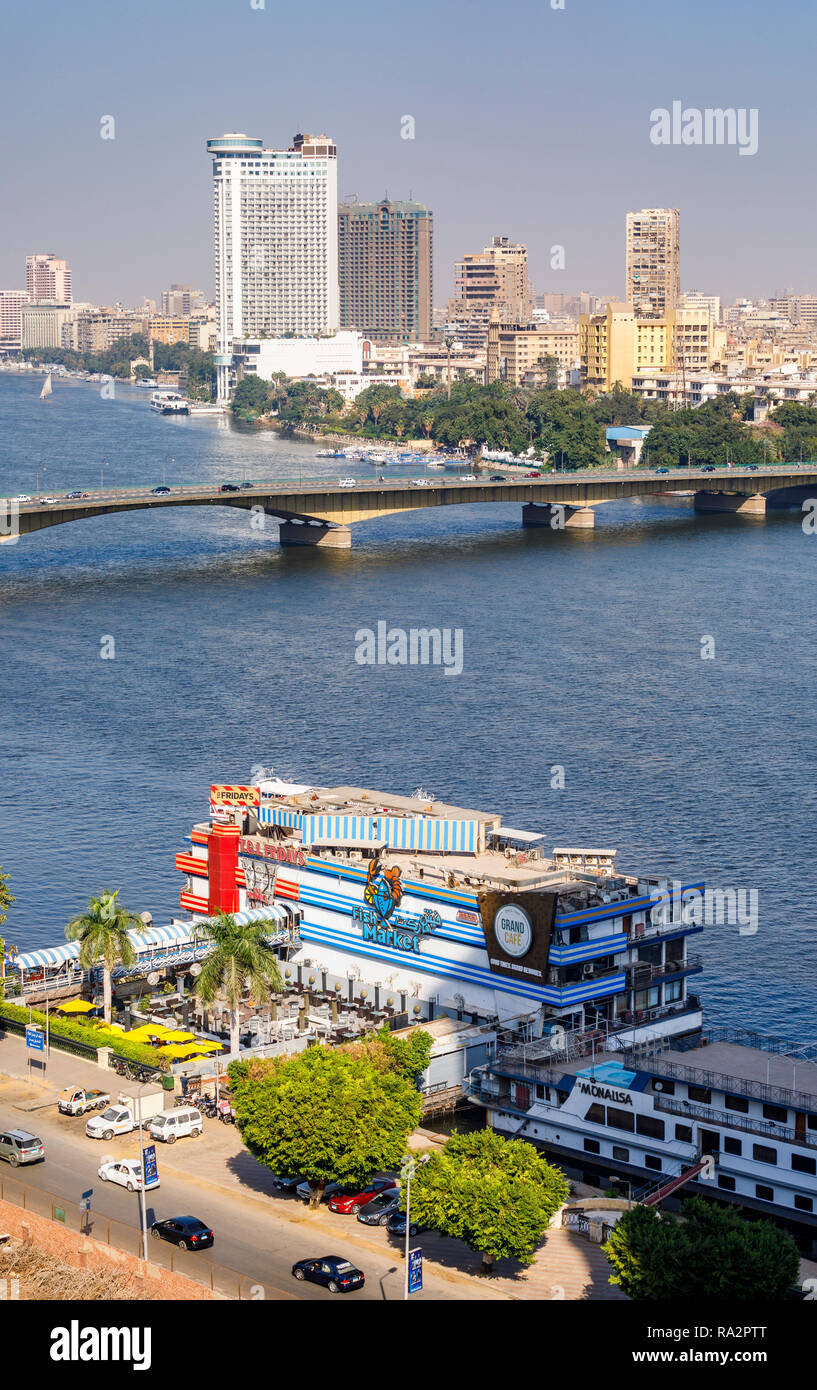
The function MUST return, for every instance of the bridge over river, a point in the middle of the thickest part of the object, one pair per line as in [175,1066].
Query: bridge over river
[321,513]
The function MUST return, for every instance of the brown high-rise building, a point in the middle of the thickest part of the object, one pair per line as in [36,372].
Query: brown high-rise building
[653,271]
[385,268]
[490,282]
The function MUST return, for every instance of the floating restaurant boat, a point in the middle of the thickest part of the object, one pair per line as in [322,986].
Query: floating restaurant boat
[563,982]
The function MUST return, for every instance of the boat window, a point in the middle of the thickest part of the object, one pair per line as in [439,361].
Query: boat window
[620,1119]
[595,1113]
[801,1163]
[650,1126]
[763,1154]
[700,1093]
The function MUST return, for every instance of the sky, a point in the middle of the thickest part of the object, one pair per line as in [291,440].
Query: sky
[530,121]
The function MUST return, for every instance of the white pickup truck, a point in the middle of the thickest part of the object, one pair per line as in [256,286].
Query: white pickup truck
[76,1100]
[120,1118]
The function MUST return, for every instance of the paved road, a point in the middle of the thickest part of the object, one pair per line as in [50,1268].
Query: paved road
[248,1239]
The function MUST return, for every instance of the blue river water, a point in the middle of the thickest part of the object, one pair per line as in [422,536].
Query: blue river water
[581,651]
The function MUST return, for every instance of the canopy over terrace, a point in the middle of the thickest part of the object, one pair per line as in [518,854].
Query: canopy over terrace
[155,948]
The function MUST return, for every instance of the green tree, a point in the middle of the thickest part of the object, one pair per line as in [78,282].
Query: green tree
[408,1057]
[495,1194]
[709,1253]
[102,933]
[324,1113]
[5,902]
[241,959]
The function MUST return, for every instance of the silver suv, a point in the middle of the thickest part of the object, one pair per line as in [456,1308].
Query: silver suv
[18,1146]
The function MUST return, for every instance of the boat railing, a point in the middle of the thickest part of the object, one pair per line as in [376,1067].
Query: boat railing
[660,1064]
[750,1124]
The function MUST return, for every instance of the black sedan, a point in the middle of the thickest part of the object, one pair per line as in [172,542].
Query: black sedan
[396,1224]
[229,487]
[336,1274]
[379,1209]
[185,1231]
[708,468]
[497,478]
[282,1184]
[159,491]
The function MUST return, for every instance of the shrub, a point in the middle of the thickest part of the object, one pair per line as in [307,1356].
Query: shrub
[85,1033]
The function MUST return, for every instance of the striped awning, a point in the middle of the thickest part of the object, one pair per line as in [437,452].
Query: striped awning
[50,955]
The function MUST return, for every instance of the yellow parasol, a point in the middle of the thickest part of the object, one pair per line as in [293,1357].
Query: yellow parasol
[205,1046]
[179,1036]
[172,1050]
[148,1030]
[75,1006]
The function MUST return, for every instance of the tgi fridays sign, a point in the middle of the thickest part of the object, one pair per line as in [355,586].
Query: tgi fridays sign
[232,795]
[260,861]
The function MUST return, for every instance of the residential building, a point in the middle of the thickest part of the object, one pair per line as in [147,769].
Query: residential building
[181,301]
[167,328]
[42,324]
[11,330]
[514,351]
[276,240]
[799,309]
[429,363]
[494,279]
[48,278]
[618,344]
[653,260]
[386,264]
[96,330]
[693,299]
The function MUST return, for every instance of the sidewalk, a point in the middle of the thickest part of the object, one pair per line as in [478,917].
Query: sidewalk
[566,1266]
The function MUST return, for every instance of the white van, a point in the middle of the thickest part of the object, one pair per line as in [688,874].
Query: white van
[175,1124]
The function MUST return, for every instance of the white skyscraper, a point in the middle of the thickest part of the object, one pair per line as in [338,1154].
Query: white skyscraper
[276,239]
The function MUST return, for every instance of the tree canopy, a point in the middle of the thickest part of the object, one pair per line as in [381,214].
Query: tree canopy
[495,1194]
[710,1253]
[326,1113]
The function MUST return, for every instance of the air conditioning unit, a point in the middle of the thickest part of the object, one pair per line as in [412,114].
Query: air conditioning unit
[587,969]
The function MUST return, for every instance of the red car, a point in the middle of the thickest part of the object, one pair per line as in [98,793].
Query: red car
[351,1202]
[532,475]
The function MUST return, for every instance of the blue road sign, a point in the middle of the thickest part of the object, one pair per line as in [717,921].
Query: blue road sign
[415,1271]
[35,1039]
[151,1172]
[86,1196]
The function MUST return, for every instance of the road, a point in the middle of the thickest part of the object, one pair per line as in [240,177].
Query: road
[248,1239]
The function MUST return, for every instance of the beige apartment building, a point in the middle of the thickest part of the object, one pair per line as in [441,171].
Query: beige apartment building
[43,325]
[653,260]
[492,280]
[513,351]
[619,344]
[48,279]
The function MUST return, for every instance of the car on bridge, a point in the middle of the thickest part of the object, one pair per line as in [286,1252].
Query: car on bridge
[467,478]
[159,491]
[708,468]
[421,482]
[497,478]
[21,497]
[750,467]
[76,493]
[229,487]
[47,501]
[662,470]
[246,484]
[347,482]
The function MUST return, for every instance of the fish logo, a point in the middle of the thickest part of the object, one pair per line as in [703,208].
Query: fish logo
[384,889]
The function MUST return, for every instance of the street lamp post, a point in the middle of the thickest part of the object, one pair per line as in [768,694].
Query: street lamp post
[142,1210]
[407,1170]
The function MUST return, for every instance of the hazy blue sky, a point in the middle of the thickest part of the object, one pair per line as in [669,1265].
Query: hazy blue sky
[530,122]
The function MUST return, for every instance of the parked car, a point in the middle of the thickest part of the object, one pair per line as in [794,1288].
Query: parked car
[347,482]
[176,1124]
[117,1119]
[379,1209]
[127,1172]
[352,1201]
[229,487]
[336,1274]
[159,491]
[396,1225]
[20,1146]
[282,1184]
[185,1231]
[302,1190]
[75,1100]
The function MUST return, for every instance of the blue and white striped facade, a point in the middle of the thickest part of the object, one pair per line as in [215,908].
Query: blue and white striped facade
[449,957]
[434,834]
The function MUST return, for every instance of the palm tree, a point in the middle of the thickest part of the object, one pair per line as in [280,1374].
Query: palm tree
[102,931]
[241,957]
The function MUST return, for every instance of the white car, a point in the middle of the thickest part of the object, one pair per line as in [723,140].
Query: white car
[126,1171]
[117,1119]
[347,482]
[47,501]
[21,497]
[419,482]
[467,478]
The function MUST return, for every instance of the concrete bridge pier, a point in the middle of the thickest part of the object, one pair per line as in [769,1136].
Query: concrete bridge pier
[739,503]
[558,517]
[315,533]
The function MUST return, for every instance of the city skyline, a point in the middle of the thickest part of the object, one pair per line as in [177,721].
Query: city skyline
[132,213]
